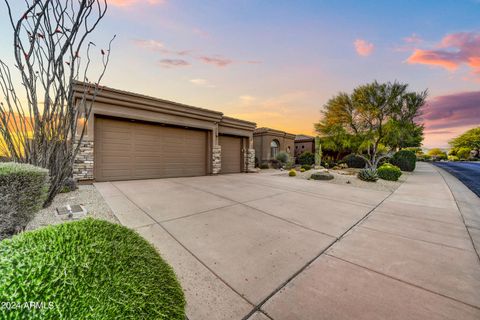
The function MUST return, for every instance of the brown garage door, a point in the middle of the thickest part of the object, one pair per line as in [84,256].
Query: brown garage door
[231,154]
[131,150]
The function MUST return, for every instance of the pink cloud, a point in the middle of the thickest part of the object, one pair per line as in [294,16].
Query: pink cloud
[451,111]
[127,3]
[454,50]
[363,47]
[217,61]
[414,38]
[171,63]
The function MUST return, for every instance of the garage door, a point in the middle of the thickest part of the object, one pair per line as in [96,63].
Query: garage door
[127,150]
[231,154]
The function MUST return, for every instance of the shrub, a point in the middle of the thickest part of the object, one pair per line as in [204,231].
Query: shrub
[453,158]
[282,157]
[264,166]
[321,176]
[88,269]
[306,158]
[405,160]
[389,172]
[306,167]
[292,173]
[274,163]
[69,185]
[289,165]
[354,161]
[302,169]
[463,153]
[368,174]
[23,190]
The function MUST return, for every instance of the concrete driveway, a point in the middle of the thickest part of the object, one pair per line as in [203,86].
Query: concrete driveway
[260,246]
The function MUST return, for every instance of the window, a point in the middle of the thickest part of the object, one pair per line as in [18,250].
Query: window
[274,145]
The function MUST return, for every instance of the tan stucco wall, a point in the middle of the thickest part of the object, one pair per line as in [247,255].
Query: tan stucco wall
[302,146]
[262,141]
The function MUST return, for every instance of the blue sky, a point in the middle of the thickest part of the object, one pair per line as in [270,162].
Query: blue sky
[278,62]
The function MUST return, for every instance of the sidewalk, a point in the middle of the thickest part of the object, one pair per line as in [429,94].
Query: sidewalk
[411,258]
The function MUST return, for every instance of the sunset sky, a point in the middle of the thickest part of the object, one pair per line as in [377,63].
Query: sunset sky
[277,62]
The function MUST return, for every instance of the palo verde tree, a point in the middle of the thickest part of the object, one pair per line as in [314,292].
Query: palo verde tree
[41,117]
[370,121]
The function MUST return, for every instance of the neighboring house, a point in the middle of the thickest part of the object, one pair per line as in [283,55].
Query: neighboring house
[132,136]
[304,143]
[269,142]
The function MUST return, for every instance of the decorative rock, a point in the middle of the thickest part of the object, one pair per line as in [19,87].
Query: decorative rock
[321,176]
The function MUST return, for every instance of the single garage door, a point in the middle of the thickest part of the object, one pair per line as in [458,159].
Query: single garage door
[127,150]
[231,154]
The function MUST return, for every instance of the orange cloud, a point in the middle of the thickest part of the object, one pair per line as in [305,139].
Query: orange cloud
[363,48]
[454,50]
[127,3]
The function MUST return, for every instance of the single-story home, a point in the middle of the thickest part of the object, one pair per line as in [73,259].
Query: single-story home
[132,136]
[269,142]
[304,143]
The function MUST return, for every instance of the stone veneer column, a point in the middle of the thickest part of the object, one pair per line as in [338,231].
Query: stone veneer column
[83,164]
[251,160]
[216,159]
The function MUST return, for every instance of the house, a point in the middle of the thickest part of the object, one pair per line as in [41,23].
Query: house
[132,136]
[269,142]
[304,143]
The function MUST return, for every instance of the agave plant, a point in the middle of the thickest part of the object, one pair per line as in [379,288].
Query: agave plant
[368,174]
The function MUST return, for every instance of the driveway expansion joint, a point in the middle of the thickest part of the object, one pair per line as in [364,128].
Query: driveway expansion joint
[402,281]
[259,306]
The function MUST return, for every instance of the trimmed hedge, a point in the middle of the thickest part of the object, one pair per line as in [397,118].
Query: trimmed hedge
[88,269]
[23,190]
[405,160]
[368,174]
[354,161]
[389,172]
[306,158]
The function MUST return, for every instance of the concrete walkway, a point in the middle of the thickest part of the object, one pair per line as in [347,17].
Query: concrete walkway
[255,246]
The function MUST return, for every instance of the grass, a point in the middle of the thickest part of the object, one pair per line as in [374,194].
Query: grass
[88,269]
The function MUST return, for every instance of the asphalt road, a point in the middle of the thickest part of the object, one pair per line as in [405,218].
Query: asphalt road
[467,172]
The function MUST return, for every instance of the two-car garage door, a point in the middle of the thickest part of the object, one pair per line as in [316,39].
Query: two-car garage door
[127,150]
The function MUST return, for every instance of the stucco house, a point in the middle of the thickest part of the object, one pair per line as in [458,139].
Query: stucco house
[132,136]
[269,142]
[304,143]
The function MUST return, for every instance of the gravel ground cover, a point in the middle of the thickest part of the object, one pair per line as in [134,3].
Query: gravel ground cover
[86,195]
[349,177]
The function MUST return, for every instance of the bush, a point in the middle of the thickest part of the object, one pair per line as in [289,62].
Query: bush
[264,166]
[306,167]
[368,174]
[463,153]
[292,173]
[23,190]
[275,164]
[289,165]
[88,269]
[306,158]
[321,176]
[354,161]
[453,158]
[405,160]
[282,157]
[389,172]
[302,169]
[69,185]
